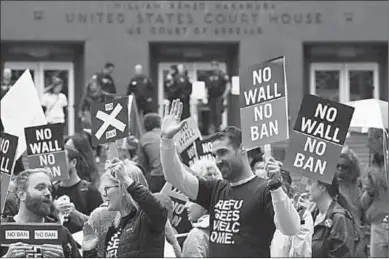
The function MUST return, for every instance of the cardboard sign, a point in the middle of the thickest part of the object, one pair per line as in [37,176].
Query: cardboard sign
[318,137]
[34,234]
[55,162]
[45,149]
[204,148]
[21,108]
[8,146]
[5,181]
[110,121]
[180,216]
[187,135]
[189,155]
[263,104]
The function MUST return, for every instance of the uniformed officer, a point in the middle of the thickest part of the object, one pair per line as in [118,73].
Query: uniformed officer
[218,86]
[142,88]
[178,86]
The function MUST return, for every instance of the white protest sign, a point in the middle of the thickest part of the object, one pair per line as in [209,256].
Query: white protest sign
[21,108]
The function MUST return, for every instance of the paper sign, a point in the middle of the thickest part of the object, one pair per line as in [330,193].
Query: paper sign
[21,108]
[31,233]
[8,146]
[187,135]
[180,217]
[263,104]
[56,162]
[204,148]
[318,137]
[5,181]
[110,121]
[45,149]
[189,155]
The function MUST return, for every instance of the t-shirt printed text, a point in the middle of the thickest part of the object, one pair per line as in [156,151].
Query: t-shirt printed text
[226,221]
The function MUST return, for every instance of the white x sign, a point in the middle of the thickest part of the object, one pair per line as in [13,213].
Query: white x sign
[110,120]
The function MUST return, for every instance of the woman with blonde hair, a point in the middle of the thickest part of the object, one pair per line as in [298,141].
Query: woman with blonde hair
[139,228]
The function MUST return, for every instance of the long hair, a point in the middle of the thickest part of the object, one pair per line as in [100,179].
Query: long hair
[86,165]
[333,191]
[127,202]
[355,168]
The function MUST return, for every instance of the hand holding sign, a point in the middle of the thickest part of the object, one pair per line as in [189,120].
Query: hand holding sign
[17,250]
[52,251]
[171,123]
[273,172]
[90,240]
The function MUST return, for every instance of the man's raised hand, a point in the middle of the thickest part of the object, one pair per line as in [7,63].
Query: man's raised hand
[171,123]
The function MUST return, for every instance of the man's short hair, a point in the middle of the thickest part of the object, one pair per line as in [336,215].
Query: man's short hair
[151,121]
[109,65]
[21,180]
[233,134]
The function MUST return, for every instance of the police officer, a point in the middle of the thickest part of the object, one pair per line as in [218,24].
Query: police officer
[178,86]
[142,88]
[218,86]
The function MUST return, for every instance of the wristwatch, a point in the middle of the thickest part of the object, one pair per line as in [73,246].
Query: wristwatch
[274,184]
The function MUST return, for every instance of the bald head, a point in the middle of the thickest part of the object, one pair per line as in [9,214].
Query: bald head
[138,69]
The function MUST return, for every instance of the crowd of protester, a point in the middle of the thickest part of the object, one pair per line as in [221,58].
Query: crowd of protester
[122,212]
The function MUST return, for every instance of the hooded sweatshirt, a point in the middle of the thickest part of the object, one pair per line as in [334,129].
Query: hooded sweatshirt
[196,244]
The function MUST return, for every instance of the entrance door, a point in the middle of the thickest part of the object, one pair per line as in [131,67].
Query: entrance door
[197,72]
[345,82]
[42,73]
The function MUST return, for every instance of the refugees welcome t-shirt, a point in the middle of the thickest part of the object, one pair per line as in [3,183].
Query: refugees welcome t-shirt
[241,217]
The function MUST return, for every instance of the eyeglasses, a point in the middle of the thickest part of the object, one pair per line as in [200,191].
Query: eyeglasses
[342,167]
[106,188]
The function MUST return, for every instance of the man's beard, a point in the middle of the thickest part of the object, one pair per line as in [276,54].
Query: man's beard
[38,206]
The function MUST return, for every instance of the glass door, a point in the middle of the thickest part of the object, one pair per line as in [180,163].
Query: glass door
[362,81]
[163,70]
[42,74]
[202,70]
[326,81]
[345,82]
[18,68]
[63,70]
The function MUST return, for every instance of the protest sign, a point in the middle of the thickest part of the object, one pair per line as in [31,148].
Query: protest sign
[204,148]
[263,103]
[318,137]
[34,234]
[5,181]
[21,108]
[187,135]
[180,216]
[189,155]
[110,121]
[8,146]
[45,149]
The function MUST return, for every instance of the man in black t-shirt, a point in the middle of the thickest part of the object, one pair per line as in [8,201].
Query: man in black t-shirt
[33,188]
[244,209]
[83,196]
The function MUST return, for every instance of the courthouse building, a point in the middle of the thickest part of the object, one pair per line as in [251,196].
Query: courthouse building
[335,49]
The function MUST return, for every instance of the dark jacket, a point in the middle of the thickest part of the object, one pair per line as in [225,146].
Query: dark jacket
[144,233]
[336,236]
[142,88]
[179,88]
[69,246]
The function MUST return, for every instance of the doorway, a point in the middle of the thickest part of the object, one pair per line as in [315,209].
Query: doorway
[345,82]
[42,73]
[197,73]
